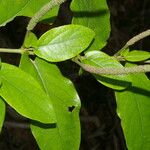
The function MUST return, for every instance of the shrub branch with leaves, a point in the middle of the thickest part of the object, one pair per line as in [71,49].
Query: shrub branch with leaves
[37,89]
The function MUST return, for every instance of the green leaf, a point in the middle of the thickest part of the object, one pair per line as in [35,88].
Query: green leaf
[133,108]
[65,134]
[30,40]
[95,15]
[21,7]
[63,42]
[10,9]
[100,59]
[136,55]
[2,112]
[25,95]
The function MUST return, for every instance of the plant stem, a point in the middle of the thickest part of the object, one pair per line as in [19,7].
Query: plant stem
[147,62]
[134,40]
[36,18]
[113,71]
[18,51]
[5,50]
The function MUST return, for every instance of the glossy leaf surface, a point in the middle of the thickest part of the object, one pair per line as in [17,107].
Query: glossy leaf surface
[2,112]
[100,59]
[64,42]
[95,15]
[136,55]
[133,108]
[65,134]
[21,7]
[25,95]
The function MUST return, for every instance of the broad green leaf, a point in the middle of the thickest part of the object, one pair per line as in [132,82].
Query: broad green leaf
[21,91]
[21,7]
[10,9]
[95,15]
[133,108]
[65,134]
[100,59]
[2,112]
[137,55]
[30,40]
[64,42]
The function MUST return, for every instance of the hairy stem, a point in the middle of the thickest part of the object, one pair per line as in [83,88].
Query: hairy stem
[134,40]
[36,18]
[113,71]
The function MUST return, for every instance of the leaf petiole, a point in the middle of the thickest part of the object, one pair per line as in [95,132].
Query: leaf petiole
[18,51]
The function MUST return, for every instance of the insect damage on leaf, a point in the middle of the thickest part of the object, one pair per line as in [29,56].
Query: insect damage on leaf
[71,108]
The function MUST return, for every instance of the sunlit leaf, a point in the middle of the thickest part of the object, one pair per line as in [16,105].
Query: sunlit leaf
[25,95]
[65,134]
[95,15]
[133,108]
[9,9]
[14,8]
[64,42]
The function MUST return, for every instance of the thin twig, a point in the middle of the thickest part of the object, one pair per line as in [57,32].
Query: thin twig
[5,50]
[36,18]
[17,51]
[134,40]
[113,71]
[137,38]
[147,62]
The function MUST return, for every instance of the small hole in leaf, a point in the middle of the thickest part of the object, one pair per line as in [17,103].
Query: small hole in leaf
[32,57]
[71,108]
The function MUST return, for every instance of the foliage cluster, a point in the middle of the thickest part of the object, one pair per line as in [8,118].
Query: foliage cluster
[37,89]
